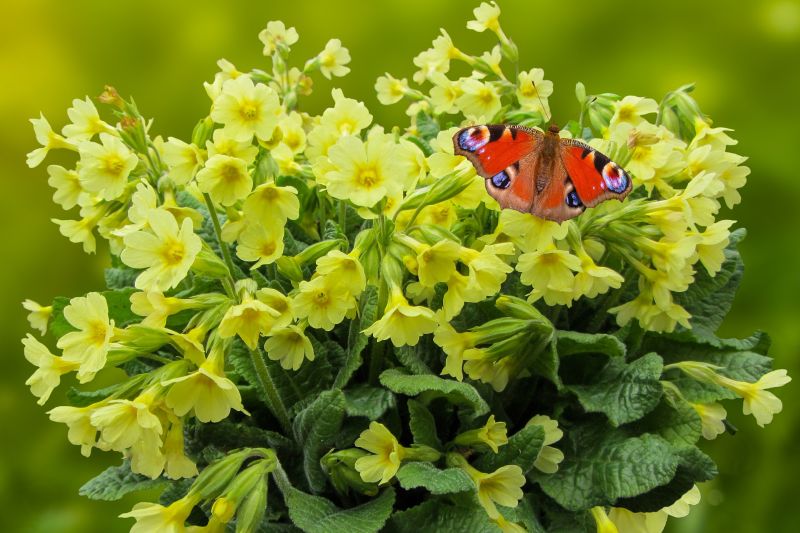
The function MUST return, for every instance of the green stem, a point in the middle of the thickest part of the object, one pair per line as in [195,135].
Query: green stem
[226,253]
[273,398]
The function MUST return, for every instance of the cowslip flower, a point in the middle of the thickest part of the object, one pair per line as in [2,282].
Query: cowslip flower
[479,101]
[386,454]
[487,271]
[39,315]
[222,143]
[154,517]
[277,34]
[289,346]
[390,89]
[80,432]
[176,464]
[437,263]
[249,319]
[501,487]
[347,117]
[86,122]
[550,273]
[492,434]
[67,185]
[631,108]
[345,266]
[323,301]
[155,307]
[89,345]
[49,370]
[487,17]
[226,179]
[363,172]
[759,402]
[402,323]
[206,392]
[712,416]
[166,251]
[592,280]
[549,457]
[603,522]
[333,58]
[533,90]
[246,109]
[482,367]
[48,139]
[453,343]
[104,168]
[122,423]
[272,204]
[82,231]
[182,158]
[260,243]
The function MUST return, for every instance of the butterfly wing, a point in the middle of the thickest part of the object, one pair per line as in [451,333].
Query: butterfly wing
[594,176]
[506,157]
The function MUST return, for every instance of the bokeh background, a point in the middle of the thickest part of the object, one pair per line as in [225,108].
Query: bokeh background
[744,57]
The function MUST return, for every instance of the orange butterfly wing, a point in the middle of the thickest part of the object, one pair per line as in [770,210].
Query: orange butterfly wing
[595,176]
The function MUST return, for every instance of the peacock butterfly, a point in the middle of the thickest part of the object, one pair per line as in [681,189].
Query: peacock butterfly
[541,173]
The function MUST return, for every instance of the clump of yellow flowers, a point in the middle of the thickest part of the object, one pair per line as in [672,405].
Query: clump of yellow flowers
[337,310]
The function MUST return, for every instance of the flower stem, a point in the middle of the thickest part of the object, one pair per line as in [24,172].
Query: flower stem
[273,398]
[226,253]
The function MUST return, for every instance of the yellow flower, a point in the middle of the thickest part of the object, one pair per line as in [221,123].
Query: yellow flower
[437,263]
[82,231]
[549,457]
[453,344]
[550,273]
[260,243]
[290,346]
[501,487]
[347,117]
[593,279]
[711,248]
[436,60]
[323,301]
[681,508]
[757,400]
[207,391]
[246,109]
[487,271]
[362,172]
[493,434]
[390,90]
[533,90]
[603,522]
[86,121]
[631,108]
[487,17]
[167,253]
[386,457]
[222,143]
[508,527]
[89,345]
[346,267]
[152,517]
[124,422]
[50,368]
[277,34]
[402,323]
[48,139]
[39,315]
[104,168]
[444,93]
[712,416]
[272,204]
[333,58]
[177,465]
[458,291]
[626,521]
[293,135]
[528,232]
[78,419]
[479,366]
[156,307]
[68,191]
[225,179]
[182,158]
[249,320]
[480,101]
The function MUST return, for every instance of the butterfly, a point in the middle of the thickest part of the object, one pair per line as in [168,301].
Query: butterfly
[541,173]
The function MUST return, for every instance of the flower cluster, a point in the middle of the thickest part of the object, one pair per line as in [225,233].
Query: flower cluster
[292,296]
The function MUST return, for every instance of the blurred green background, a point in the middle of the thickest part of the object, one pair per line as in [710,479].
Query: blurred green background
[744,56]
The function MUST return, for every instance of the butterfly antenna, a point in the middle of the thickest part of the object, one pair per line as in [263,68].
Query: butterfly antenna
[541,102]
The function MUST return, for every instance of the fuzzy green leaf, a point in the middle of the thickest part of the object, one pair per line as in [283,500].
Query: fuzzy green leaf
[573,342]
[120,277]
[316,427]
[624,392]
[117,481]
[370,402]
[603,465]
[429,387]
[423,425]
[522,450]
[675,420]
[356,340]
[420,474]
[439,515]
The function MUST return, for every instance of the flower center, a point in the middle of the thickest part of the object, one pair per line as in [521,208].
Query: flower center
[486,96]
[173,252]
[626,113]
[321,298]
[328,60]
[269,194]
[230,173]
[267,249]
[367,177]
[97,331]
[114,164]
[248,111]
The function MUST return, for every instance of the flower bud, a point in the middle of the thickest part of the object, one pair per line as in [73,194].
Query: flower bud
[289,268]
[340,468]
[252,508]
[202,132]
[215,477]
[209,263]
[440,190]
[311,253]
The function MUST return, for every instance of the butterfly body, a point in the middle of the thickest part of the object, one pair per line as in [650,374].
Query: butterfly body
[539,172]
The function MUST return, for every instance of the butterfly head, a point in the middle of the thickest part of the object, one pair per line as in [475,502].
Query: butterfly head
[553,129]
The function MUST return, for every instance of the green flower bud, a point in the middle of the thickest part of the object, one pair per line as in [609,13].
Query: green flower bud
[519,308]
[340,468]
[209,263]
[440,190]
[580,93]
[315,251]
[202,132]
[289,268]
[215,477]
[509,50]
[420,452]
[492,435]
[252,508]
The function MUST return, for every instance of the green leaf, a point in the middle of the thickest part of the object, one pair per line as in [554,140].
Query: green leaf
[120,277]
[624,392]
[603,465]
[316,427]
[709,299]
[573,342]
[80,398]
[356,340]
[423,425]
[430,386]
[370,402]
[315,514]
[417,359]
[427,127]
[439,515]
[525,514]
[421,474]
[522,450]
[675,420]
[117,481]
[228,435]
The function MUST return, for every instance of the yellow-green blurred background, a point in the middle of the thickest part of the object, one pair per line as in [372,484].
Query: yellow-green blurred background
[744,56]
